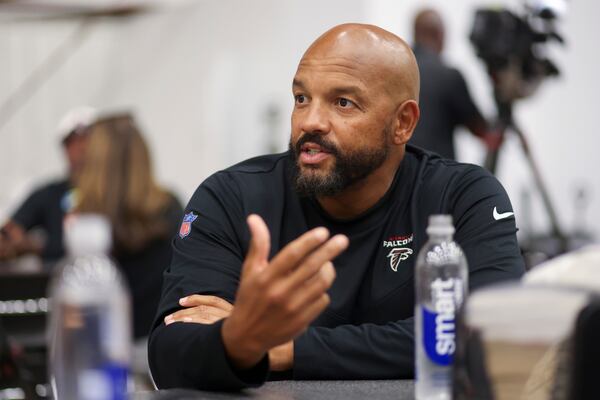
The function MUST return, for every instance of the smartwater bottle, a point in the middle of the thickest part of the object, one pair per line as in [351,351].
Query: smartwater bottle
[90,325]
[440,286]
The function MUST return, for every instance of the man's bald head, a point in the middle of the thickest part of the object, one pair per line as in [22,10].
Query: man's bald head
[429,30]
[355,93]
[384,56]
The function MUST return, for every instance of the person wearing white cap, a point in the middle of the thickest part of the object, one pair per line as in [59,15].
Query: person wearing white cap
[47,205]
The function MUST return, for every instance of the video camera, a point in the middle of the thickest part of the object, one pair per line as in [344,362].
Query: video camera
[512,46]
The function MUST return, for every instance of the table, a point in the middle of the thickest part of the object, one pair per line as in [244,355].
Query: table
[298,390]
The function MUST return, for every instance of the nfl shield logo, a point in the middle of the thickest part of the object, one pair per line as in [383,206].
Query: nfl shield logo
[186,225]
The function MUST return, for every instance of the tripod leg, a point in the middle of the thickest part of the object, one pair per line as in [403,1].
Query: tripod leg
[491,160]
[494,138]
[537,176]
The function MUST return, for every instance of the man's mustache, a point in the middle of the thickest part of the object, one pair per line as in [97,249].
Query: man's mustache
[315,138]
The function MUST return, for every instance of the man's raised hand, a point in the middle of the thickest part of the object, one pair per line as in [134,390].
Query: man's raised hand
[277,299]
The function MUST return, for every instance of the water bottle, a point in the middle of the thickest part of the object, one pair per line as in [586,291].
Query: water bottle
[441,282]
[90,324]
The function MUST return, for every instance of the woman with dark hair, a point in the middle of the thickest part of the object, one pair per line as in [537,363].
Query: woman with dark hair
[117,182]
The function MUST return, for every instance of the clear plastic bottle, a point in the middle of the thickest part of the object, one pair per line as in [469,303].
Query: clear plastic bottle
[90,325]
[441,282]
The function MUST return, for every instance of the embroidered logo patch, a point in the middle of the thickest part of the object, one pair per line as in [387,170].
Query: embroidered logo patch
[398,252]
[397,255]
[186,225]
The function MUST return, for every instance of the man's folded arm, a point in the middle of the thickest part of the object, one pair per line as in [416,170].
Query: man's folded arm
[370,351]
[193,356]
[366,351]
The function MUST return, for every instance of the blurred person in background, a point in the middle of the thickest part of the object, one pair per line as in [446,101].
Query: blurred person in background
[37,225]
[444,100]
[117,181]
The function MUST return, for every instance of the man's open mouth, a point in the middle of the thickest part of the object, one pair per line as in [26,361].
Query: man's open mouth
[312,153]
[312,148]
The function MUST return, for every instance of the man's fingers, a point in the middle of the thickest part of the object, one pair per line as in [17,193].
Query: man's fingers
[294,252]
[198,300]
[198,320]
[326,272]
[201,318]
[314,262]
[312,310]
[198,312]
[314,287]
[260,241]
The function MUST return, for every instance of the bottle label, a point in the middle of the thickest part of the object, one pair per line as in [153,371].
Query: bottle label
[439,323]
[117,374]
[106,383]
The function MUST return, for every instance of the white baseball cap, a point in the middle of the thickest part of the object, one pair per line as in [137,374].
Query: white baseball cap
[76,121]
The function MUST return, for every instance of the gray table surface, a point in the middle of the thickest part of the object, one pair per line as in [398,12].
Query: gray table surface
[298,390]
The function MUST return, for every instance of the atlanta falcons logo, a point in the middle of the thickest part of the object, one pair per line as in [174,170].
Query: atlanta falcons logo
[398,254]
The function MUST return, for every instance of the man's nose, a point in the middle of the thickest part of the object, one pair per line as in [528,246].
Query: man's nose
[315,119]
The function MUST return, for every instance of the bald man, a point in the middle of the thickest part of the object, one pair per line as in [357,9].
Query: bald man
[300,265]
[445,99]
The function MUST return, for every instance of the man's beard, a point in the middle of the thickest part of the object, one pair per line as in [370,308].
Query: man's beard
[348,168]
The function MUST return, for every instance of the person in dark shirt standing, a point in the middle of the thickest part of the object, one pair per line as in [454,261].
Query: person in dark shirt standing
[252,292]
[46,207]
[445,101]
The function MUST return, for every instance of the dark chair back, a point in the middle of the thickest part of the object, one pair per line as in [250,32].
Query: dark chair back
[23,313]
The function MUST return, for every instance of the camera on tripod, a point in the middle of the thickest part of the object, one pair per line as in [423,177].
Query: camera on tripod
[513,46]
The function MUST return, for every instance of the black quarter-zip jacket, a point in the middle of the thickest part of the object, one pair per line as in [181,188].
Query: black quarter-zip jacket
[367,332]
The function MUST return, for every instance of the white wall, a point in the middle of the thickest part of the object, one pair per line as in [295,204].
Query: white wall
[559,121]
[201,77]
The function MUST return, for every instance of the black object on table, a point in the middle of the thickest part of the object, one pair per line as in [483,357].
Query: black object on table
[23,312]
[298,390]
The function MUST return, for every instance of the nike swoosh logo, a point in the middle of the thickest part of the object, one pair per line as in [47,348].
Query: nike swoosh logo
[498,216]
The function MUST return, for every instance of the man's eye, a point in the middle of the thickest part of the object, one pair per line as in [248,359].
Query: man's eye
[345,103]
[300,99]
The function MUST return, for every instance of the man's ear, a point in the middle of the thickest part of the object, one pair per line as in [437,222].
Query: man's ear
[407,117]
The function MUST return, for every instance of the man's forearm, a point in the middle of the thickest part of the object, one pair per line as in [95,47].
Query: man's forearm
[193,356]
[365,351]
[205,309]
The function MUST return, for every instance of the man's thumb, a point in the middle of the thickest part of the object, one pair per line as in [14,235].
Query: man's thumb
[260,241]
